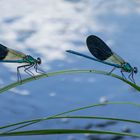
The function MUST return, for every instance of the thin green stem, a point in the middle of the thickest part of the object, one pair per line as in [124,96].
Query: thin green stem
[30,122]
[13,85]
[66,131]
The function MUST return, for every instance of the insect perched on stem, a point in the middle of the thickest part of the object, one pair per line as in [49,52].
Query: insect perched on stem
[99,49]
[8,55]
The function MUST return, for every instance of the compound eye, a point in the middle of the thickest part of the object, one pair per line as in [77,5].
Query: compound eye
[38,60]
[135,69]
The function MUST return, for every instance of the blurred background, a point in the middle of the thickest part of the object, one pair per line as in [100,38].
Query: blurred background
[45,29]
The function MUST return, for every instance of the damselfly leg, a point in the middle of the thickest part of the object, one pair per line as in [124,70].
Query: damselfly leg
[123,76]
[26,69]
[131,77]
[18,74]
[112,70]
[39,70]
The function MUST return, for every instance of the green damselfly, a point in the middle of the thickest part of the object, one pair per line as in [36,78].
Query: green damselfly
[8,55]
[100,50]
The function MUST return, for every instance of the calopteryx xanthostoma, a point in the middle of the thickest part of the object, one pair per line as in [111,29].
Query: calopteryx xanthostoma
[100,50]
[8,55]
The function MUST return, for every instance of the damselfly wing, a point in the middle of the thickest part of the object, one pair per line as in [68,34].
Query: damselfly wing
[7,54]
[102,53]
[99,49]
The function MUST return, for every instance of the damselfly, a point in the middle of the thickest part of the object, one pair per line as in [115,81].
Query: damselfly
[104,54]
[8,55]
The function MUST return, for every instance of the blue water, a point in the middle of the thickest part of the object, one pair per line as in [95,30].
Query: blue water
[46,29]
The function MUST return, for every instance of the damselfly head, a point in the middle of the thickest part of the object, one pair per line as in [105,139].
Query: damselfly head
[135,70]
[38,61]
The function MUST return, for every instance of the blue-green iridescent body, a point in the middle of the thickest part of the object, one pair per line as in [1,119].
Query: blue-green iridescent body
[27,59]
[8,55]
[123,65]
[127,67]
[102,53]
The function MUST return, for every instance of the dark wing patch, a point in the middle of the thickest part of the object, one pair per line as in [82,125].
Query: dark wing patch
[98,48]
[3,52]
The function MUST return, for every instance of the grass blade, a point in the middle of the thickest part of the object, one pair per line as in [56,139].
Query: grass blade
[13,85]
[66,131]
[30,122]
